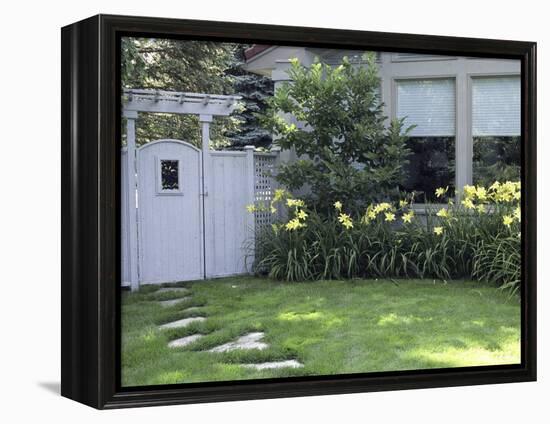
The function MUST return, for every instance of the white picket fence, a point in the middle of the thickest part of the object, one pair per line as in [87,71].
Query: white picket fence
[199,229]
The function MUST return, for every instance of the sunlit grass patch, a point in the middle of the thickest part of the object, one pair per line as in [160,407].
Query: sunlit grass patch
[330,327]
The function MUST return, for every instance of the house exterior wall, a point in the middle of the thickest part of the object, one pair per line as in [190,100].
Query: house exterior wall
[394,67]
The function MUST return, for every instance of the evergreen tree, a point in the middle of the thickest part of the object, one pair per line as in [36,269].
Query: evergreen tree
[255,91]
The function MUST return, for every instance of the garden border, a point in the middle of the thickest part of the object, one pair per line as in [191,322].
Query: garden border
[90,204]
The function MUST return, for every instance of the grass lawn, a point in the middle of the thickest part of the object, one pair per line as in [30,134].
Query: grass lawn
[331,327]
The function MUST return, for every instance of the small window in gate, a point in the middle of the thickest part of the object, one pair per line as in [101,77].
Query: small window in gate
[169,175]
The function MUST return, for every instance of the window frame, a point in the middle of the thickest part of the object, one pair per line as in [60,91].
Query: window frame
[470,110]
[394,99]
[420,57]
[464,140]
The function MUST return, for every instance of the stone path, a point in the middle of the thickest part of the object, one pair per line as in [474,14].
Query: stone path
[181,322]
[248,341]
[184,341]
[172,302]
[291,363]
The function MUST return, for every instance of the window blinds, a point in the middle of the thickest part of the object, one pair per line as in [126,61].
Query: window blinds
[496,105]
[429,104]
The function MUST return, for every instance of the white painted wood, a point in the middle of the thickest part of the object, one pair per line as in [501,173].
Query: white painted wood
[125,256]
[265,169]
[226,218]
[208,217]
[463,142]
[130,193]
[178,102]
[202,228]
[170,226]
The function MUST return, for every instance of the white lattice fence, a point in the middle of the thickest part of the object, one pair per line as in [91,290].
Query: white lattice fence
[264,187]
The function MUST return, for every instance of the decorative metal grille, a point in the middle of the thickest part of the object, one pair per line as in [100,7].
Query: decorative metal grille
[169,174]
[264,188]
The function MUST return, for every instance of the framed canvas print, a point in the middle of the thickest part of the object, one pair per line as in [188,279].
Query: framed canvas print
[255,211]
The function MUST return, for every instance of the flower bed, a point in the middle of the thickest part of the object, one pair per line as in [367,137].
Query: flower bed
[478,238]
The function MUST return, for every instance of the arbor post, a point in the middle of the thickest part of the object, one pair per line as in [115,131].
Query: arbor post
[205,121]
[131,117]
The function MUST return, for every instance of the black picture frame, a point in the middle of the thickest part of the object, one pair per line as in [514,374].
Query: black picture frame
[90,175]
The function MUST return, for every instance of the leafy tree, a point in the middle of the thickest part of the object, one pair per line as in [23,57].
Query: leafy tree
[178,65]
[346,152]
[201,67]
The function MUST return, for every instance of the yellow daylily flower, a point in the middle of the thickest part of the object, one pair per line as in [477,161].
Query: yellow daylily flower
[480,208]
[507,220]
[468,204]
[279,194]
[338,205]
[381,207]
[294,224]
[443,213]
[507,192]
[469,191]
[389,216]
[403,203]
[481,193]
[295,202]
[251,208]
[439,192]
[371,214]
[301,214]
[345,220]
[438,230]
[407,218]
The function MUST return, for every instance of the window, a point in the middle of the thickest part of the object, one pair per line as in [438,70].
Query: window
[335,57]
[169,175]
[496,129]
[415,57]
[429,104]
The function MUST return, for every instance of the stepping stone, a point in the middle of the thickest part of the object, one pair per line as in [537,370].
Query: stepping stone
[248,341]
[172,302]
[291,363]
[184,341]
[193,309]
[181,322]
[171,290]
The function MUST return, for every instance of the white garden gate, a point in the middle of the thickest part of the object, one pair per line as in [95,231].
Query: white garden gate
[183,208]
[170,219]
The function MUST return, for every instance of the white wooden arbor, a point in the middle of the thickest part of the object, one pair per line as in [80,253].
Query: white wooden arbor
[206,107]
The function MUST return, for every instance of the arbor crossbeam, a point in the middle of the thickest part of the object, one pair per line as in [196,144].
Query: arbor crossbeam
[159,101]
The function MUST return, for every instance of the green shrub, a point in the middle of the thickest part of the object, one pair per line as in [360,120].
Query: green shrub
[346,151]
[476,239]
